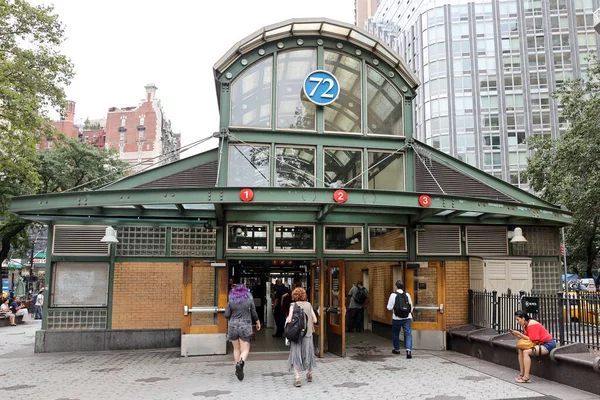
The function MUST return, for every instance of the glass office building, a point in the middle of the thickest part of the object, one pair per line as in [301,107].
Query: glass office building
[488,69]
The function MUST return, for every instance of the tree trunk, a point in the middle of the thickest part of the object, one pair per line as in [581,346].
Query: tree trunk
[10,232]
[591,249]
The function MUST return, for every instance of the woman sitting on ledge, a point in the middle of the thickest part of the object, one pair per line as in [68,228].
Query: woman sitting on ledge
[535,332]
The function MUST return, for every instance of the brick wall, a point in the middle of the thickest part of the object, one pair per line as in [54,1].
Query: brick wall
[147,295]
[457,293]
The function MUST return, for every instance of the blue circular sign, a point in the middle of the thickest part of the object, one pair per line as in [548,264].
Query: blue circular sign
[321,87]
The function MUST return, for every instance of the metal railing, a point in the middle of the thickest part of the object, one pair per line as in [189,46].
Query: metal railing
[579,325]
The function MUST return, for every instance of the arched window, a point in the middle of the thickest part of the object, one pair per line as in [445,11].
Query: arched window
[294,111]
[344,115]
[251,96]
[384,105]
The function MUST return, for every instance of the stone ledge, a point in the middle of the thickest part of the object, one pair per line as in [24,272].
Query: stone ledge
[571,365]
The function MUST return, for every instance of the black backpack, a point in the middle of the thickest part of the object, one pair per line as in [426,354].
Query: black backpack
[402,306]
[296,328]
[361,295]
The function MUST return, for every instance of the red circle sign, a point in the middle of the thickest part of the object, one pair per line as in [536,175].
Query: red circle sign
[340,196]
[246,194]
[424,200]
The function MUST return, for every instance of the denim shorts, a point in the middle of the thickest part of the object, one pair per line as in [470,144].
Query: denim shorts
[549,345]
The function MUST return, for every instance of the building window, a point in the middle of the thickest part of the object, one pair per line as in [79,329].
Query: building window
[140,146]
[142,119]
[249,165]
[94,138]
[253,237]
[123,121]
[343,239]
[121,136]
[251,96]
[384,108]
[86,139]
[386,170]
[387,239]
[294,110]
[295,166]
[344,115]
[141,133]
[342,168]
[294,238]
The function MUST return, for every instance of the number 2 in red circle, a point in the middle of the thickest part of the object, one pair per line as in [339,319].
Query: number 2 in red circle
[340,196]
[246,194]
[424,200]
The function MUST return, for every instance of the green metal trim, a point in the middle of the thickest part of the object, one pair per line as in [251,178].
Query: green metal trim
[364,97]
[81,258]
[84,219]
[543,258]
[273,93]
[320,170]
[331,139]
[168,239]
[149,259]
[221,243]
[136,215]
[373,199]
[49,274]
[320,109]
[163,171]
[441,258]
[111,284]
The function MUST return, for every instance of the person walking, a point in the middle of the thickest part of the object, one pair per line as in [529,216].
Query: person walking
[241,313]
[535,332]
[401,304]
[39,303]
[302,352]
[359,299]
[279,306]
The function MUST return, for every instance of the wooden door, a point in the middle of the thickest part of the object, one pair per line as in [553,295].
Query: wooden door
[317,273]
[335,300]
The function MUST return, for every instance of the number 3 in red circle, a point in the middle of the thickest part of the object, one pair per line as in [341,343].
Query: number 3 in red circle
[340,196]
[424,200]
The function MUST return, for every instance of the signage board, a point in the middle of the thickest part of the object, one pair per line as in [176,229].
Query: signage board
[321,87]
[531,305]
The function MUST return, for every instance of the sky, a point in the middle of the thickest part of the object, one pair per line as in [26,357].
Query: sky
[118,46]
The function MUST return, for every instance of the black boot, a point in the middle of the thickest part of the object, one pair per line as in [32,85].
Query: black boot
[239,370]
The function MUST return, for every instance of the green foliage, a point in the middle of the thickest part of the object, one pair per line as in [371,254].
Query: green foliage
[75,164]
[566,170]
[33,75]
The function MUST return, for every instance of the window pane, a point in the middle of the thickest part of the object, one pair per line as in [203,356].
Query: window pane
[247,237]
[248,165]
[342,166]
[289,237]
[343,115]
[295,167]
[251,96]
[387,238]
[384,105]
[347,238]
[386,171]
[294,111]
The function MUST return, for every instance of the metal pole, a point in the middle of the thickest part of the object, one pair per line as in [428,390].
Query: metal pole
[562,230]
[30,282]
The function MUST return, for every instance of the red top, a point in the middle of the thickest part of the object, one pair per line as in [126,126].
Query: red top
[537,333]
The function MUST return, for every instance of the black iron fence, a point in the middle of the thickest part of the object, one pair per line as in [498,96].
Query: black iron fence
[572,318]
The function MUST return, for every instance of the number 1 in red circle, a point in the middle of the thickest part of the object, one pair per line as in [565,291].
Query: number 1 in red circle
[340,196]
[246,194]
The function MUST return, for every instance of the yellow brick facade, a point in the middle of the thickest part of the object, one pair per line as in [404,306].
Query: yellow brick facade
[457,293]
[147,295]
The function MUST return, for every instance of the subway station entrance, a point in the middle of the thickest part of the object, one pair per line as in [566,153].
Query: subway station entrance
[327,283]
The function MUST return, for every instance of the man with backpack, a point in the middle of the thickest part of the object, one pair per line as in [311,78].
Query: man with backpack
[359,296]
[401,304]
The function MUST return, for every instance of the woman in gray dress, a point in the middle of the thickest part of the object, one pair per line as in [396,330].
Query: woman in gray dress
[302,353]
[241,313]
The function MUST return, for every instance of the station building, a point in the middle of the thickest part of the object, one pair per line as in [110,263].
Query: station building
[317,180]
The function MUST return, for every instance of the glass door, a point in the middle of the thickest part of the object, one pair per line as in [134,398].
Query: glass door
[426,288]
[316,299]
[336,310]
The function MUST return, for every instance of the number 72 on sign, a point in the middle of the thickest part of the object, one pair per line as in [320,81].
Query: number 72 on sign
[321,87]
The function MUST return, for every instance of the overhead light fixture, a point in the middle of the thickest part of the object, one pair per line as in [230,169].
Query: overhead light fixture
[110,236]
[518,236]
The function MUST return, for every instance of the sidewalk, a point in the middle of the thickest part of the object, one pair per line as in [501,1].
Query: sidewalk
[162,374]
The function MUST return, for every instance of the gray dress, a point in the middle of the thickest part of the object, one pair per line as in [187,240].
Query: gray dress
[241,316]
[302,353]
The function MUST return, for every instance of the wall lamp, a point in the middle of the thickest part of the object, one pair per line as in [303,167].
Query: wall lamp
[517,236]
[110,236]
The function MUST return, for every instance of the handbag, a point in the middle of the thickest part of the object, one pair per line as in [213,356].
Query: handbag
[525,344]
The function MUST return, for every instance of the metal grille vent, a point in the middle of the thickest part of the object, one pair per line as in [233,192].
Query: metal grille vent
[487,240]
[79,240]
[540,242]
[452,181]
[142,241]
[197,242]
[439,240]
[201,176]
[76,319]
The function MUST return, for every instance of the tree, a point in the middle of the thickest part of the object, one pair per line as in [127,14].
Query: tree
[566,170]
[33,75]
